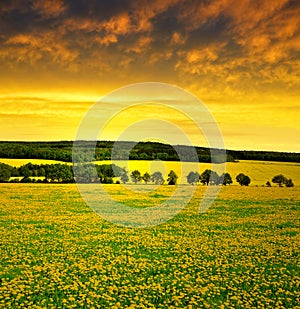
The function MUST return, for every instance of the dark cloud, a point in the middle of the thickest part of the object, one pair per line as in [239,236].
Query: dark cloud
[97,9]
[15,21]
[221,40]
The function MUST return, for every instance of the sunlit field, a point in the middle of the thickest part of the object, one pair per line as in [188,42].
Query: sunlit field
[57,253]
[259,171]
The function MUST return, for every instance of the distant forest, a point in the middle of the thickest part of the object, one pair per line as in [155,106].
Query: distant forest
[62,151]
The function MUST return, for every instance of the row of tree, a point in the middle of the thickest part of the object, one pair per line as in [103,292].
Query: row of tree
[212,178]
[105,173]
[209,177]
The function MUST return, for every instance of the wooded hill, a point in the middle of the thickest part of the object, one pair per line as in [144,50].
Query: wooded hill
[62,151]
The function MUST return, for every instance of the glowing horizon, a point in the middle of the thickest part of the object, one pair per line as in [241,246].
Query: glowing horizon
[240,59]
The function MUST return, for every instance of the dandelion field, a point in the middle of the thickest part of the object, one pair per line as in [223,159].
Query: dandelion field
[57,253]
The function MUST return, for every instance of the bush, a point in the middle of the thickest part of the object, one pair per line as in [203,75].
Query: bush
[225,179]
[279,179]
[289,183]
[172,178]
[193,178]
[243,179]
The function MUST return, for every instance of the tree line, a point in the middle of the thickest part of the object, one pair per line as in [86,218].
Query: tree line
[106,173]
[61,173]
[62,151]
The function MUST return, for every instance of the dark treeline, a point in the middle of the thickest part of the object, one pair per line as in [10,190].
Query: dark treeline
[264,155]
[62,151]
[61,173]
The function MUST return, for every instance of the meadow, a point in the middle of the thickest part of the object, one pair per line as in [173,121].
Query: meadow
[57,253]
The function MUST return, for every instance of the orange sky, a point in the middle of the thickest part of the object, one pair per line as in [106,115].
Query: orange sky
[241,58]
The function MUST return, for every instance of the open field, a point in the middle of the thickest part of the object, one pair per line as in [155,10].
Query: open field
[262,171]
[20,162]
[57,253]
[259,171]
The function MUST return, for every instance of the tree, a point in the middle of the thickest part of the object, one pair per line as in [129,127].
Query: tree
[209,177]
[34,173]
[41,171]
[109,170]
[193,177]
[136,176]
[26,179]
[66,173]
[204,177]
[172,178]
[4,172]
[268,184]
[25,171]
[106,172]
[279,179]
[227,180]
[289,183]
[59,173]
[246,181]
[239,178]
[85,173]
[146,177]
[124,177]
[243,179]
[157,178]
[214,178]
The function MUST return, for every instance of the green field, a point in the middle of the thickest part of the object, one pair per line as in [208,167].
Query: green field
[57,253]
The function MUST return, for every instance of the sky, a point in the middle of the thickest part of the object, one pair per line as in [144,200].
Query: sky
[241,58]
